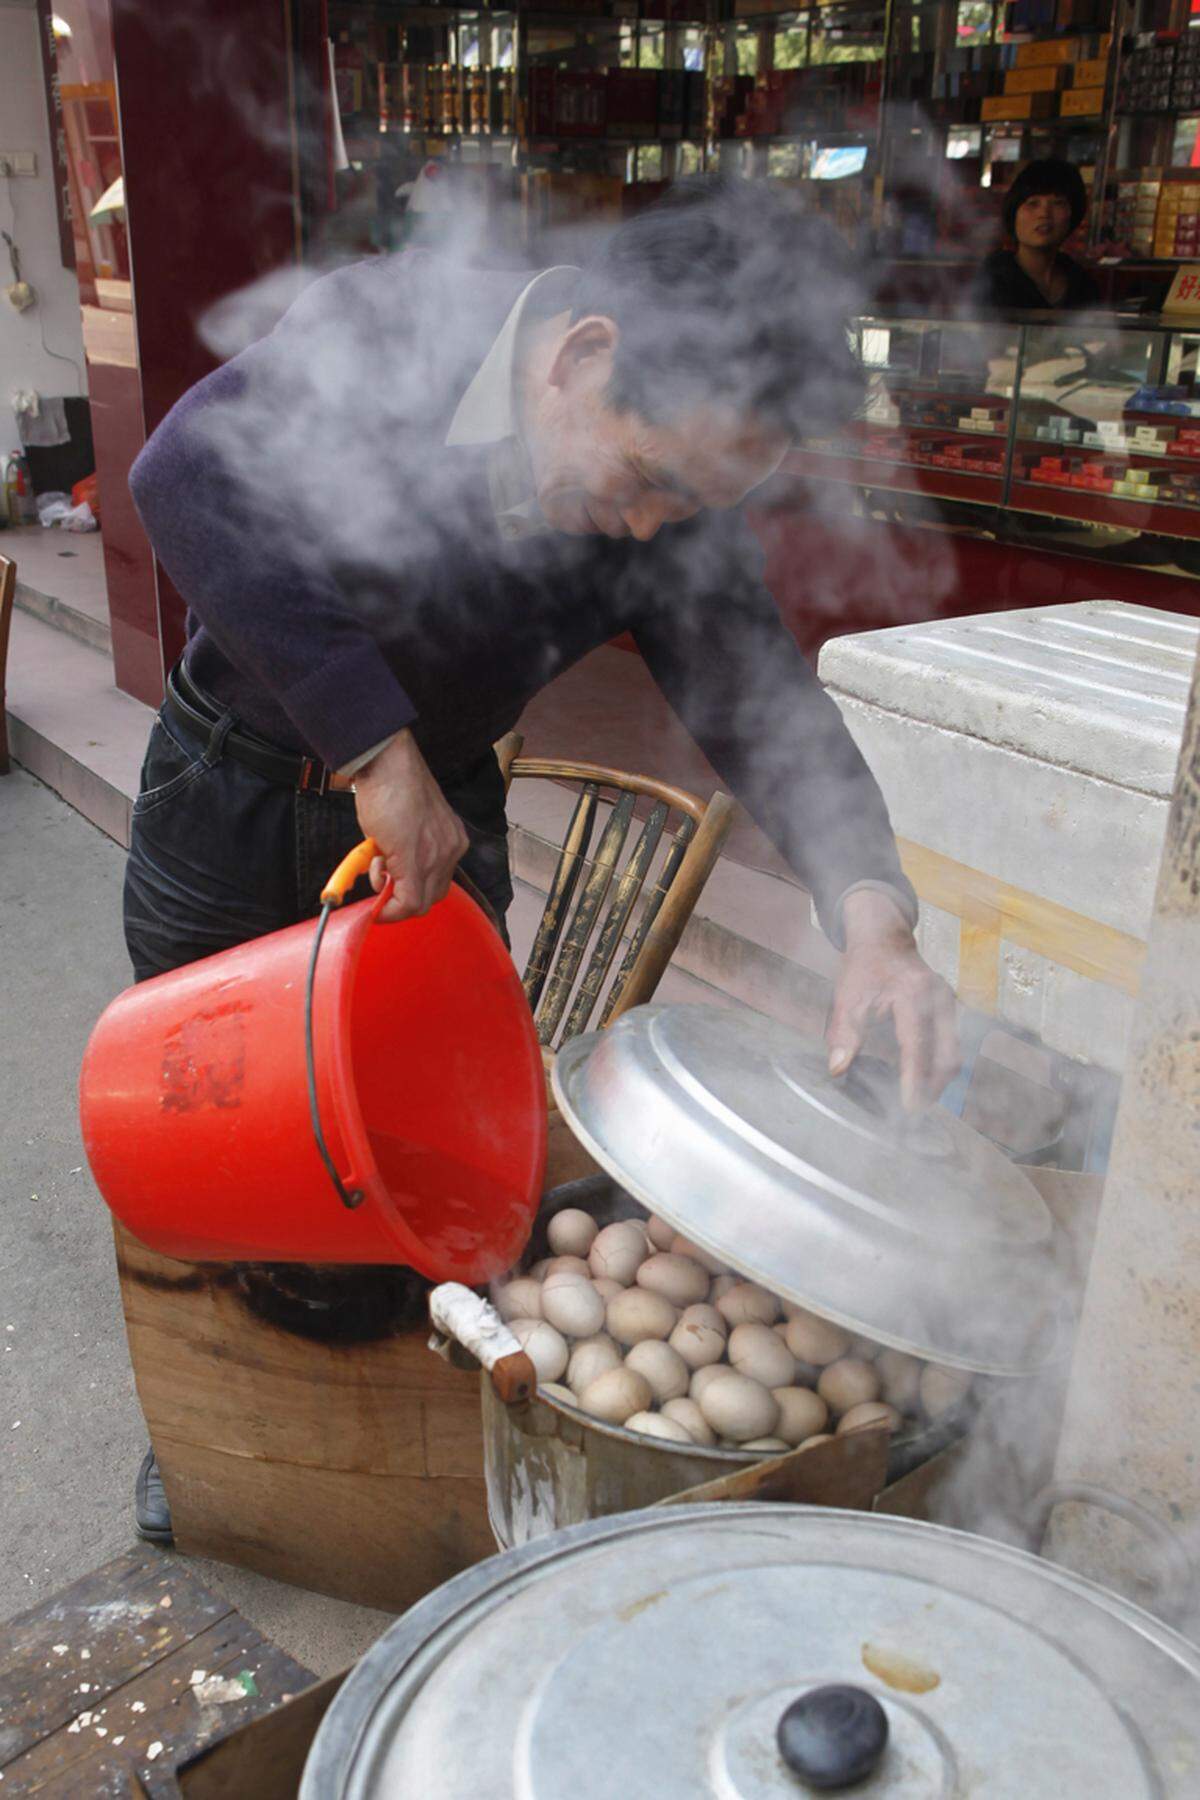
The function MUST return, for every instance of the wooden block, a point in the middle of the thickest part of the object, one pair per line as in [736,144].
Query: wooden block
[264,1759]
[303,1427]
[97,1689]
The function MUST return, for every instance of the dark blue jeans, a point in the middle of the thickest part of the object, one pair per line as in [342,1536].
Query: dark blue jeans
[219,855]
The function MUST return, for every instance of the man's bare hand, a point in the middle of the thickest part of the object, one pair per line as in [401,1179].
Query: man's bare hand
[420,837]
[883,977]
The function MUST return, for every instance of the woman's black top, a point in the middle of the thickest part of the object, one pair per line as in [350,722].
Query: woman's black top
[1003,284]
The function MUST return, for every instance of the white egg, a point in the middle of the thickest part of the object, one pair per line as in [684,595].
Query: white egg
[571,1232]
[538,1270]
[674,1277]
[814,1340]
[722,1285]
[572,1305]
[663,1368]
[755,1350]
[567,1265]
[659,1233]
[739,1408]
[635,1315]
[553,1391]
[775,1444]
[864,1348]
[545,1347]
[901,1378]
[870,1414]
[943,1389]
[521,1299]
[594,1356]
[619,1251]
[681,1246]
[657,1425]
[685,1412]
[801,1413]
[699,1337]
[702,1378]
[748,1304]
[822,1437]
[616,1395]
[606,1287]
[848,1382]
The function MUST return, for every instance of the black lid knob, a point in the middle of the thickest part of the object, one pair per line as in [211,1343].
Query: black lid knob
[833,1736]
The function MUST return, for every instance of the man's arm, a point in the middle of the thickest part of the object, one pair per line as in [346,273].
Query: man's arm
[713,639]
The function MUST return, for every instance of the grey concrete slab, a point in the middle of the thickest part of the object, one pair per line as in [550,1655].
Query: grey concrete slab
[71,1432]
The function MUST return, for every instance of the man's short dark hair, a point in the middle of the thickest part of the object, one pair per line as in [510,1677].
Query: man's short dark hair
[1048,175]
[728,291]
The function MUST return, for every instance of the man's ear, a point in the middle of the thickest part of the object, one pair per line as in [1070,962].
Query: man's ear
[586,340]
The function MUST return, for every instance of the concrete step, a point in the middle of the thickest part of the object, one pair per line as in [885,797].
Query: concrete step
[93,632]
[70,726]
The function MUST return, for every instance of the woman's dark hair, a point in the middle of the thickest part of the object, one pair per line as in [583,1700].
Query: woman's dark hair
[727,291]
[1049,175]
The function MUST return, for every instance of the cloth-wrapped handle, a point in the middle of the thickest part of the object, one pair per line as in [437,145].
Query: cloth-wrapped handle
[456,1312]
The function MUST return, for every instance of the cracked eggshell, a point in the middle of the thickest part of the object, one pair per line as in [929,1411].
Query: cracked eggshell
[521,1299]
[571,1304]
[616,1395]
[663,1368]
[682,1246]
[571,1232]
[685,1412]
[606,1287]
[738,1408]
[619,1251]
[593,1357]
[635,1315]
[657,1425]
[660,1233]
[901,1378]
[699,1337]
[942,1388]
[567,1265]
[848,1383]
[870,1413]
[755,1350]
[721,1285]
[801,1414]
[676,1278]
[814,1340]
[545,1347]
[748,1304]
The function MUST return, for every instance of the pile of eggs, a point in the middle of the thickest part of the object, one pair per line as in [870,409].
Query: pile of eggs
[635,1325]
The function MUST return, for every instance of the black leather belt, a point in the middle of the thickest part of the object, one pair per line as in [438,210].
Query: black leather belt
[190,707]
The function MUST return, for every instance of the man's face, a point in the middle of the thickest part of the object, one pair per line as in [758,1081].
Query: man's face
[1043,222]
[599,471]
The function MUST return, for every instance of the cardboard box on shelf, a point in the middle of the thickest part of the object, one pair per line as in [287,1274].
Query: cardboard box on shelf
[1043,80]
[1091,73]
[1052,50]
[1076,102]
[1018,106]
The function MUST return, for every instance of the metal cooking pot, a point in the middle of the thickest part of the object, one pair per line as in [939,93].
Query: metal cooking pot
[663,1654]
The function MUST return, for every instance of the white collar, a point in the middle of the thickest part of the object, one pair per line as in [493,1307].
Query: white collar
[487,412]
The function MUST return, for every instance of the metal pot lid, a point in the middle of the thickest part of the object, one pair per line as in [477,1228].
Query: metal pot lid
[910,1229]
[656,1653]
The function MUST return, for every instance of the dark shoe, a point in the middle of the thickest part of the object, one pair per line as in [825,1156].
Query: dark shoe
[151,1514]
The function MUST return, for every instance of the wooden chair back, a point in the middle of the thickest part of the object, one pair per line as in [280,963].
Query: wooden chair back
[8,588]
[606,865]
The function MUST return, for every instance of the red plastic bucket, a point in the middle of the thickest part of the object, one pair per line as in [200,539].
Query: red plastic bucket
[195,1105]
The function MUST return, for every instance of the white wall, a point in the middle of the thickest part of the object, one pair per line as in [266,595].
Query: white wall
[24,126]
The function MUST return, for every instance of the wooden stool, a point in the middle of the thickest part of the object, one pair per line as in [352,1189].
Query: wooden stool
[98,1685]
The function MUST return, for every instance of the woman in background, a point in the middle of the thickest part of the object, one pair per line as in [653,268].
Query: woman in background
[1044,205]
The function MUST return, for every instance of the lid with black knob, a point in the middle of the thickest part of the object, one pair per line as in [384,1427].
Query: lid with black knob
[749,1651]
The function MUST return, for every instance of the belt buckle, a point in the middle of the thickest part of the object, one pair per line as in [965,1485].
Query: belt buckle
[306,783]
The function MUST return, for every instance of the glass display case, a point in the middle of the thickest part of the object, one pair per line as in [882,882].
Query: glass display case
[1085,430]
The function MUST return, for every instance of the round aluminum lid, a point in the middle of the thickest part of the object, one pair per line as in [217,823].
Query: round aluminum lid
[654,1654]
[911,1229]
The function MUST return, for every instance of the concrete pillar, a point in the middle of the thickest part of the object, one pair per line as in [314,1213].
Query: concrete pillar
[1132,1421]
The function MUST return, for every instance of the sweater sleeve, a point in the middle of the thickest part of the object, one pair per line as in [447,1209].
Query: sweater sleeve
[248,490]
[713,639]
